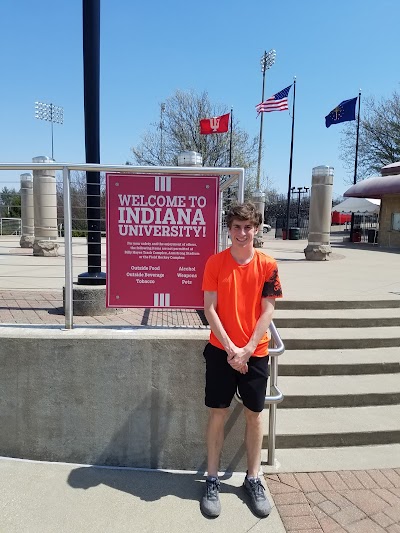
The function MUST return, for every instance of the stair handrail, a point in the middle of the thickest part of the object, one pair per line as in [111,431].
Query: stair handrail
[276,348]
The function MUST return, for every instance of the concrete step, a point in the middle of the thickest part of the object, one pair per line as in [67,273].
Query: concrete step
[339,391]
[333,459]
[339,362]
[336,427]
[339,338]
[338,304]
[335,318]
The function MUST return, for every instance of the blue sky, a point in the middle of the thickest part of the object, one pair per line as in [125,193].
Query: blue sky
[151,49]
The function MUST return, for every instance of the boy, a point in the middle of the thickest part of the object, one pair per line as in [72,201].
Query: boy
[240,285]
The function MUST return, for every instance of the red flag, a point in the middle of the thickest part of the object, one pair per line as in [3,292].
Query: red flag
[215,124]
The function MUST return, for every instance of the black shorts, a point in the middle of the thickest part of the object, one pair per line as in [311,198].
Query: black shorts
[222,380]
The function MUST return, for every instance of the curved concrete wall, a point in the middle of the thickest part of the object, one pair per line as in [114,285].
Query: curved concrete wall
[127,397]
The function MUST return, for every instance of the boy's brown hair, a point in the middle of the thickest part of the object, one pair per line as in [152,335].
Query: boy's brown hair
[246,211]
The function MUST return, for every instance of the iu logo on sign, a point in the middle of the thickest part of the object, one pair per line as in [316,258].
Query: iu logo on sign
[214,123]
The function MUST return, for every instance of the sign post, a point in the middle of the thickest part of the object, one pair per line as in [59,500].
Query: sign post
[161,229]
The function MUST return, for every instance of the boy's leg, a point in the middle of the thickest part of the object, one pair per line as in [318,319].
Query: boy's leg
[220,389]
[215,439]
[252,389]
[253,441]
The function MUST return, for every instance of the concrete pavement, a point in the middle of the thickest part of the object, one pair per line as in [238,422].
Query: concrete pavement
[42,497]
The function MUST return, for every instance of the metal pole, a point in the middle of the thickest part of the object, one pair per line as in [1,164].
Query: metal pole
[298,206]
[272,414]
[290,164]
[52,142]
[357,138]
[261,127]
[241,186]
[91,63]
[68,294]
[162,109]
[221,239]
[230,140]
[51,113]
[355,162]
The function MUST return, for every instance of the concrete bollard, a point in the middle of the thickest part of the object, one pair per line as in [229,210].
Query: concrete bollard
[190,158]
[259,201]
[318,248]
[45,210]
[27,211]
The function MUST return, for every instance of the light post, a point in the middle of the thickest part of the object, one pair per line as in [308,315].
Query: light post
[53,114]
[162,110]
[267,60]
[300,191]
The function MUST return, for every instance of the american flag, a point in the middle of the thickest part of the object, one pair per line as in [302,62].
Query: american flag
[276,102]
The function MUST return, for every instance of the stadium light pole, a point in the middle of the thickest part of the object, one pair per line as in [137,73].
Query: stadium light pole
[267,60]
[162,110]
[53,114]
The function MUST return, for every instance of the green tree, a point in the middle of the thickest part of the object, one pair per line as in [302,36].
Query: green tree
[10,203]
[379,137]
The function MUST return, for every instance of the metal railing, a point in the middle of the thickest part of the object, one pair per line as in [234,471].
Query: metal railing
[232,179]
[276,348]
[234,182]
[10,226]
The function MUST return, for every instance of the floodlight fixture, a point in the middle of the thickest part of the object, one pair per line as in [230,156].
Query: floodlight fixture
[51,113]
[267,60]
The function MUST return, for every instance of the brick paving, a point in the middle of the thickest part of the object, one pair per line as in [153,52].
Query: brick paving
[366,501]
[46,307]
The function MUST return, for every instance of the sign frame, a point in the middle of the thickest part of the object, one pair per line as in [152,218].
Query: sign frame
[161,229]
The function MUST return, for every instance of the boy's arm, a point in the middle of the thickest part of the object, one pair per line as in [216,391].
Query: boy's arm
[267,310]
[243,354]
[210,310]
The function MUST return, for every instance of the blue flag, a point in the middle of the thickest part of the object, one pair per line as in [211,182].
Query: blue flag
[345,111]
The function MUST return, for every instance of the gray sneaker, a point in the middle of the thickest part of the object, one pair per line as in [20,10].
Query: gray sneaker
[259,503]
[210,504]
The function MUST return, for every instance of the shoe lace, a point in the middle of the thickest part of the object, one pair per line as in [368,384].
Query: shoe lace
[257,488]
[212,488]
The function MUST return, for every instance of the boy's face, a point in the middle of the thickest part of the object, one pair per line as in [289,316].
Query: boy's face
[242,233]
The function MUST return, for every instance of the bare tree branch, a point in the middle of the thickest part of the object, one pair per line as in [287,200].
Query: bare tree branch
[181,132]
[379,137]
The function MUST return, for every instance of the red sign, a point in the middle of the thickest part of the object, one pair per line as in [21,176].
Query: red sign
[160,232]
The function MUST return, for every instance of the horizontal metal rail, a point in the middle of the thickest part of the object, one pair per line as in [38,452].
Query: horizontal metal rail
[128,169]
[233,175]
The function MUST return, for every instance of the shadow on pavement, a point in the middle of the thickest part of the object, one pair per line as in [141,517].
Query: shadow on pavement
[147,485]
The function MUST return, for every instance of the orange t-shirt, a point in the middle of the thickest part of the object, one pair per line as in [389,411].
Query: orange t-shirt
[240,289]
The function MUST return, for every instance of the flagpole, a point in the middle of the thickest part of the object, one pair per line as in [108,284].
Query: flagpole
[356,161]
[290,163]
[230,141]
[357,137]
